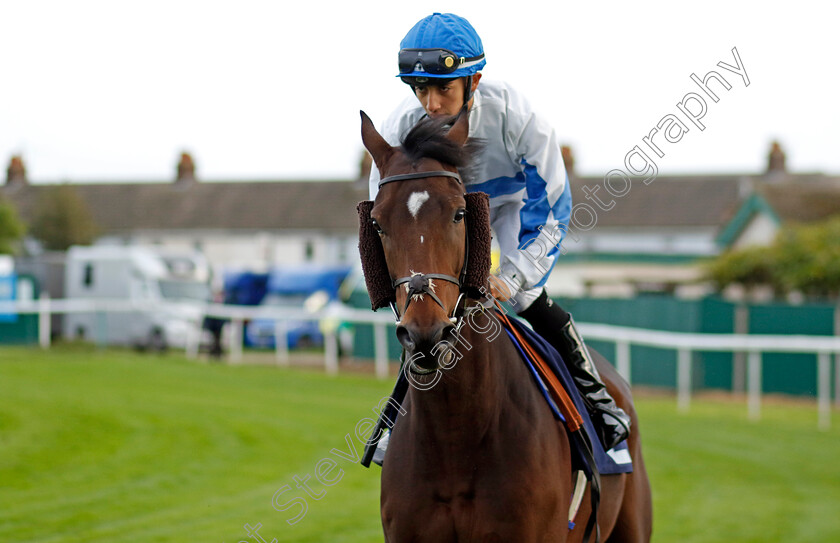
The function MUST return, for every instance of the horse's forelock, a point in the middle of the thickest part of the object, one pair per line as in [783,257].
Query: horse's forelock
[427,139]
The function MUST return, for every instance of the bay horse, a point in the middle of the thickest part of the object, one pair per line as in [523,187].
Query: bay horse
[476,455]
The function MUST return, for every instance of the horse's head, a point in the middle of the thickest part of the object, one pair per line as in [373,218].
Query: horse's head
[424,241]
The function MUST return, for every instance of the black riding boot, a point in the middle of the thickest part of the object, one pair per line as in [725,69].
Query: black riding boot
[558,328]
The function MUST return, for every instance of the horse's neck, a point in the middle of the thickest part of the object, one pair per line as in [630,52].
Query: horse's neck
[477,383]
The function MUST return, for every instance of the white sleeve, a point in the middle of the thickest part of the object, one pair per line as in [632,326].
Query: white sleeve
[542,219]
[373,182]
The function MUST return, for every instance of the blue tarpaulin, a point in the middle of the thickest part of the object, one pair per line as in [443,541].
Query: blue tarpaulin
[8,284]
[306,280]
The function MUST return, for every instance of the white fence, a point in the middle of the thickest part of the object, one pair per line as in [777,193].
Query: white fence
[237,315]
[624,337]
[754,345]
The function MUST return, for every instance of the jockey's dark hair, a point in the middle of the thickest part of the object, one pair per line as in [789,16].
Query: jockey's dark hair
[427,139]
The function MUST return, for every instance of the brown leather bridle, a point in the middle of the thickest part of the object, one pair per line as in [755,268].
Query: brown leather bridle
[419,284]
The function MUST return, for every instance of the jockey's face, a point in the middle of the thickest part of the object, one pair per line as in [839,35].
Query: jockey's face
[445,97]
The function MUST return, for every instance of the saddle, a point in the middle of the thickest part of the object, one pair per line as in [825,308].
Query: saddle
[553,378]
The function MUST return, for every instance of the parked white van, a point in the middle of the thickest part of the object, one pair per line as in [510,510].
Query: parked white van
[161,294]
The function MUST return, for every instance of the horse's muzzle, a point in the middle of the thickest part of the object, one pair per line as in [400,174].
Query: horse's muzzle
[424,340]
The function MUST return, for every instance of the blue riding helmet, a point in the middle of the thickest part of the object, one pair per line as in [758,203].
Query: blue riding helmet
[441,45]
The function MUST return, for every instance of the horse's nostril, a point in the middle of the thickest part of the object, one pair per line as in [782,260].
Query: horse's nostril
[445,333]
[427,340]
[404,337]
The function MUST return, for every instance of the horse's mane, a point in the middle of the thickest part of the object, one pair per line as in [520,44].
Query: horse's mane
[427,139]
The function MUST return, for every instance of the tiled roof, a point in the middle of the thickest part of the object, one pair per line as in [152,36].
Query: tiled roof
[300,205]
[667,201]
[804,202]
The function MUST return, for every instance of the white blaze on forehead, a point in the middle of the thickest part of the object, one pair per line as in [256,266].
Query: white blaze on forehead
[415,201]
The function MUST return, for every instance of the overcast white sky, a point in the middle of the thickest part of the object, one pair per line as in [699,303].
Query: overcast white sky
[114,91]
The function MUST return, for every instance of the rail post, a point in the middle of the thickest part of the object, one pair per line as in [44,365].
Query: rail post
[380,349]
[281,342]
[236,326]
[754,385]
[44,321]
[683,379]
[837,379]
[622,359]
[824,391]
[331,352]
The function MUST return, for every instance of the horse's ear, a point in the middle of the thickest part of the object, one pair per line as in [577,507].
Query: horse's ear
[461,128]
[379,149]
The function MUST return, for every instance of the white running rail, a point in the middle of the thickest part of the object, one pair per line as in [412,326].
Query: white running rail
[623,337]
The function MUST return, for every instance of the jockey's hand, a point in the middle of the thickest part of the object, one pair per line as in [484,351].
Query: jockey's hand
[499,289]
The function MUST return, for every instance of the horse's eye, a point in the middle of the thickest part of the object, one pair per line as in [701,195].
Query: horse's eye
[376,226]
[459,215]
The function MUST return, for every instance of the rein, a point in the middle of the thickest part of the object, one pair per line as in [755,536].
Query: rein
[420,284]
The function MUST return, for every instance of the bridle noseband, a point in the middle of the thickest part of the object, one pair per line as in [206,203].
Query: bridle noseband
[420,284]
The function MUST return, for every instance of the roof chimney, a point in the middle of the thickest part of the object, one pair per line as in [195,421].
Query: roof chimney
[16,172]
[776,159]
[568,159]
[186,170]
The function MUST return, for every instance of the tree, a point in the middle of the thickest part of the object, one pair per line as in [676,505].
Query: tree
[811,258]
[62,219]
[751,267]
[11,227]
[803,258]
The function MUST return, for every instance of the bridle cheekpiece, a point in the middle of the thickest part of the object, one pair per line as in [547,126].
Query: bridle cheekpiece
[418,285]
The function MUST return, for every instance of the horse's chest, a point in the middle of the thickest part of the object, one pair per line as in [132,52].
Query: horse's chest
[463,518]
[467,507]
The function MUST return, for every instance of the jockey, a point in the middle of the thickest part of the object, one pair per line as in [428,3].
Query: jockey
[522,171]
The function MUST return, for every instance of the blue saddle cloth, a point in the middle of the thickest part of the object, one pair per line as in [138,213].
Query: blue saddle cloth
[616,460]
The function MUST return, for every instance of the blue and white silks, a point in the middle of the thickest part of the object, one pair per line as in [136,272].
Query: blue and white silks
[522,171]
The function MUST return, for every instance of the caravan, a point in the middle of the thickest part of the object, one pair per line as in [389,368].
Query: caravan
[162,294]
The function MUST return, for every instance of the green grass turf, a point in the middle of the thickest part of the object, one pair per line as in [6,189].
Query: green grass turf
[115,446]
